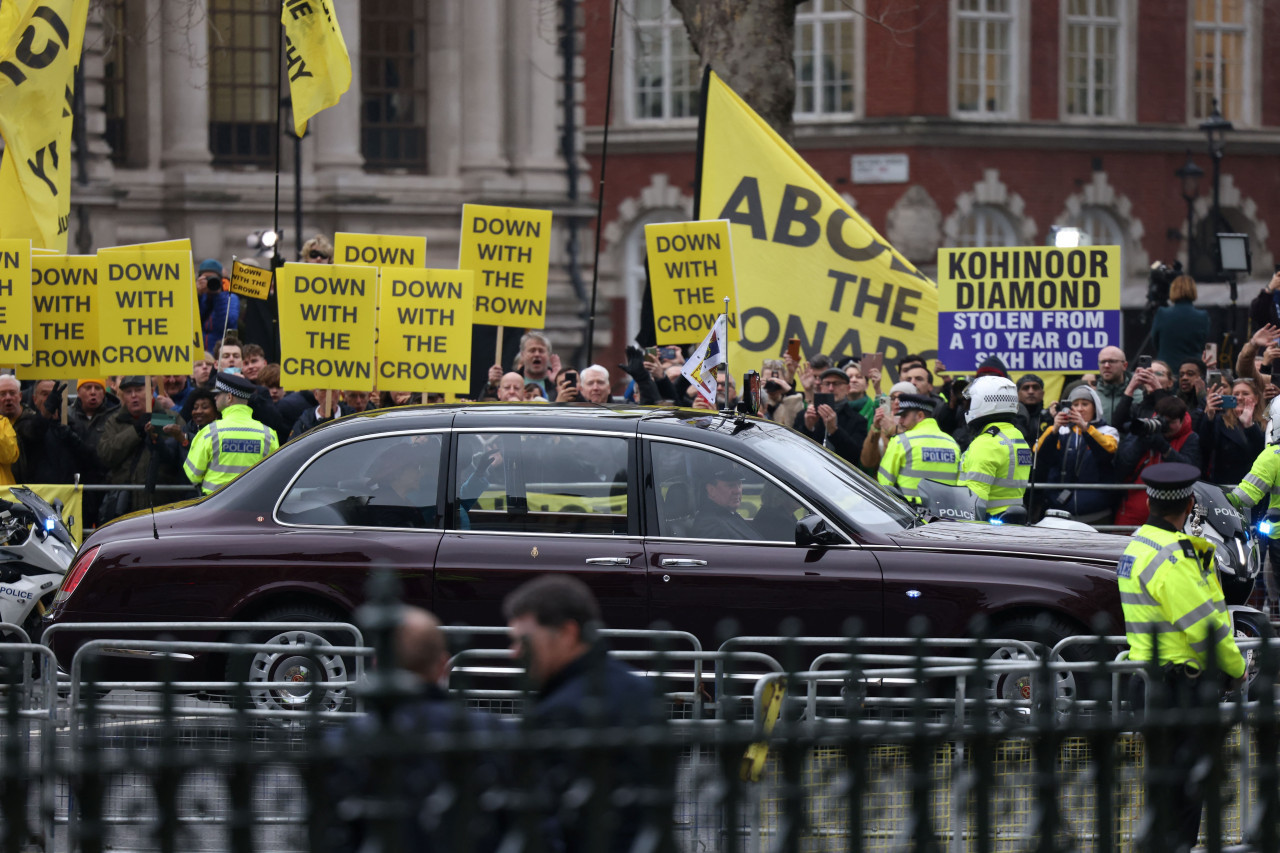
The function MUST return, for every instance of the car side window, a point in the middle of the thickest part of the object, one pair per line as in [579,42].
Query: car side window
[703,495]
[378,482]
[542,483]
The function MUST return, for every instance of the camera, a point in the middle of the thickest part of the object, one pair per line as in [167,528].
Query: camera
[1158,282]
[1148,426]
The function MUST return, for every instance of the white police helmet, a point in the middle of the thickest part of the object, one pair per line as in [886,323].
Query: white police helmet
[991,395]
[1273,426]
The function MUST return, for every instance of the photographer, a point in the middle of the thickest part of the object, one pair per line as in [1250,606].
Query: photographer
[1165,437]
[219,307]
[1078,447]
[1231,433]
[1150,384]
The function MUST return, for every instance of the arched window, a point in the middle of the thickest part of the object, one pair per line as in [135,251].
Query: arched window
[986,226]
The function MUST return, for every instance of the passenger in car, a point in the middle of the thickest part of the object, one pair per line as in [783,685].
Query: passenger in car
[717,516]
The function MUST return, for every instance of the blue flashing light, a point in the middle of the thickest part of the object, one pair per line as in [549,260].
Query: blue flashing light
[913,593]
[996,520]
[50,524]
[1264,527]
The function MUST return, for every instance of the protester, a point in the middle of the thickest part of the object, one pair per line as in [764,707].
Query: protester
[1113,381]
[837,425]
[204,411]
[1147,387]
[807,381]
[232,444]
[49,451]
[921,377]
[594,384]
[1176,621]
[511,388]
[171,391]
[1031,398]
[862,399]
[89,411]
[884,426]
[536,361]
[356,787]
[1191,388]
[357,401]
[312,418]
[996,466]
[552,621]
[1257,356]
[269,378]
[10,410]
[253,362]
[202,372]
[1078,447]
[134,453]
[920,452]
[219,307]
[1167,436]
[228,356]
[1231,439]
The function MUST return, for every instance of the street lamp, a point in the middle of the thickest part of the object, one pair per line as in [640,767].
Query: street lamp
[1190,175]
[1215,127]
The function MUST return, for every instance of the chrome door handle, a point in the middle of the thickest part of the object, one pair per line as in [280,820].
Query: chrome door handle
[608,561]
[681,563]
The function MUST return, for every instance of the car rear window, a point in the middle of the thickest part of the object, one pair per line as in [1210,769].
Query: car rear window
[392,481]
[543,483]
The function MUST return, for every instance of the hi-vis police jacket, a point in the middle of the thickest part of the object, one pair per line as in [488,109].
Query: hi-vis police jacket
[997,467]
[923,452]
[1263,479]
[1169,589]
[227,448]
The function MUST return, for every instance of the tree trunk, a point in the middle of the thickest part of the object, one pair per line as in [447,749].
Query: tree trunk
[749,43]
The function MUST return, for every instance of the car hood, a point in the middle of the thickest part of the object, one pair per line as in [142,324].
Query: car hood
[1077,545]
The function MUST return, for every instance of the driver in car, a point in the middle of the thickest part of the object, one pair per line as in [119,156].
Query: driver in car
[717,516]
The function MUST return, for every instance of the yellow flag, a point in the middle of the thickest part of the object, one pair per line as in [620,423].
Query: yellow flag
[11,12]
[318,66]
[37,72]
[807,265]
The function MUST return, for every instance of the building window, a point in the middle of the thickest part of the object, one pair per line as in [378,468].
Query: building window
[984,57]
[244,60]
[824,56]
[393,82]
[986,226]
[665,70]
[113,79]
[1220,47]
[665,73]
[1092,58]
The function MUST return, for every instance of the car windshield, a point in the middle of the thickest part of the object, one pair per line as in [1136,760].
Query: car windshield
[864,504]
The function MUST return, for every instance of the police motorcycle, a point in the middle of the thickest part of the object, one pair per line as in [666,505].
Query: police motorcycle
[944,502]
[36,549]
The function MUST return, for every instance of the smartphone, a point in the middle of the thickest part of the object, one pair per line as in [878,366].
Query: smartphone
[1213,378]
[793,348]
[821,398]
[669,353]
[651,351]
[570,377]
[1210,356]
[872,361]
[1228,401]
[1144,361]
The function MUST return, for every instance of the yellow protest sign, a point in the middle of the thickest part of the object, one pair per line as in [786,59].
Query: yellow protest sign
[424,335]
[509,250]
[379,250]
[251,281]
[64,292]
[690,274]
[144,310]
[327,326]
[808,266]
[15,301]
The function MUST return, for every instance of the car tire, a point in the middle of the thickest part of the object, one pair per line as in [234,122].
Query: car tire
[1043,633]
[295,661]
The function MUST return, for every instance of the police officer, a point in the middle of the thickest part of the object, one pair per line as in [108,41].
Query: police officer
[1263,480]
[1176,620]
[922,452]
[997,465]
[234,443]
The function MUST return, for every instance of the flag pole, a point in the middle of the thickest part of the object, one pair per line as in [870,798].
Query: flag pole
[604,158]
[275,226]
[728,377]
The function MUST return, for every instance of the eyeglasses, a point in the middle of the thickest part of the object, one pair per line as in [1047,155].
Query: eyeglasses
[832,383]
[316,256]
[1111,361]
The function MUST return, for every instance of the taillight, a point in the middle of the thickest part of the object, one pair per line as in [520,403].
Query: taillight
[73,578]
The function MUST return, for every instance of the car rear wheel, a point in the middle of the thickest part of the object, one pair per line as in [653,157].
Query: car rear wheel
[298,656]
[1042,634]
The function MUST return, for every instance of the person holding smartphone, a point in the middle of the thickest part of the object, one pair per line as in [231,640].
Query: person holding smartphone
[833,421]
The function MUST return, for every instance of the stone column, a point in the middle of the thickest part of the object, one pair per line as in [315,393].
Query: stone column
[185,88]
[337,129]
[484,111]
[534,73]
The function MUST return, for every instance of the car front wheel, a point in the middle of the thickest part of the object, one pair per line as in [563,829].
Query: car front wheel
[297,656]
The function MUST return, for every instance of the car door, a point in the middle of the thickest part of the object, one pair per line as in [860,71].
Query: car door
[361,505]
[705,567]
[531,502]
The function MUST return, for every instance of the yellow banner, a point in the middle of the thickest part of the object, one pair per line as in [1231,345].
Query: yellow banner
[424,334]
[144,310]
[690,274]
[10,14]
[15,301]
[379,250]
[327,325]
[509,250]
[38,61]
[808,266]
[72,498]
[64,293]
[318,65]
[251,281]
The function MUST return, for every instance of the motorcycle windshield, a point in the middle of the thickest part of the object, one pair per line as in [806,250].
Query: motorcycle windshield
[1219,513]
[47,519]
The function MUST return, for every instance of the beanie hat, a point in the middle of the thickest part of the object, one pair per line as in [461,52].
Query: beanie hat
[993,366]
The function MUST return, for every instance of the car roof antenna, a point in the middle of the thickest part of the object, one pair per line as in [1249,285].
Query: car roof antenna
[151,502]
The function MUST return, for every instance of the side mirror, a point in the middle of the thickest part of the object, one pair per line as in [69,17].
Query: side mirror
[1014,515]
[812,531]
